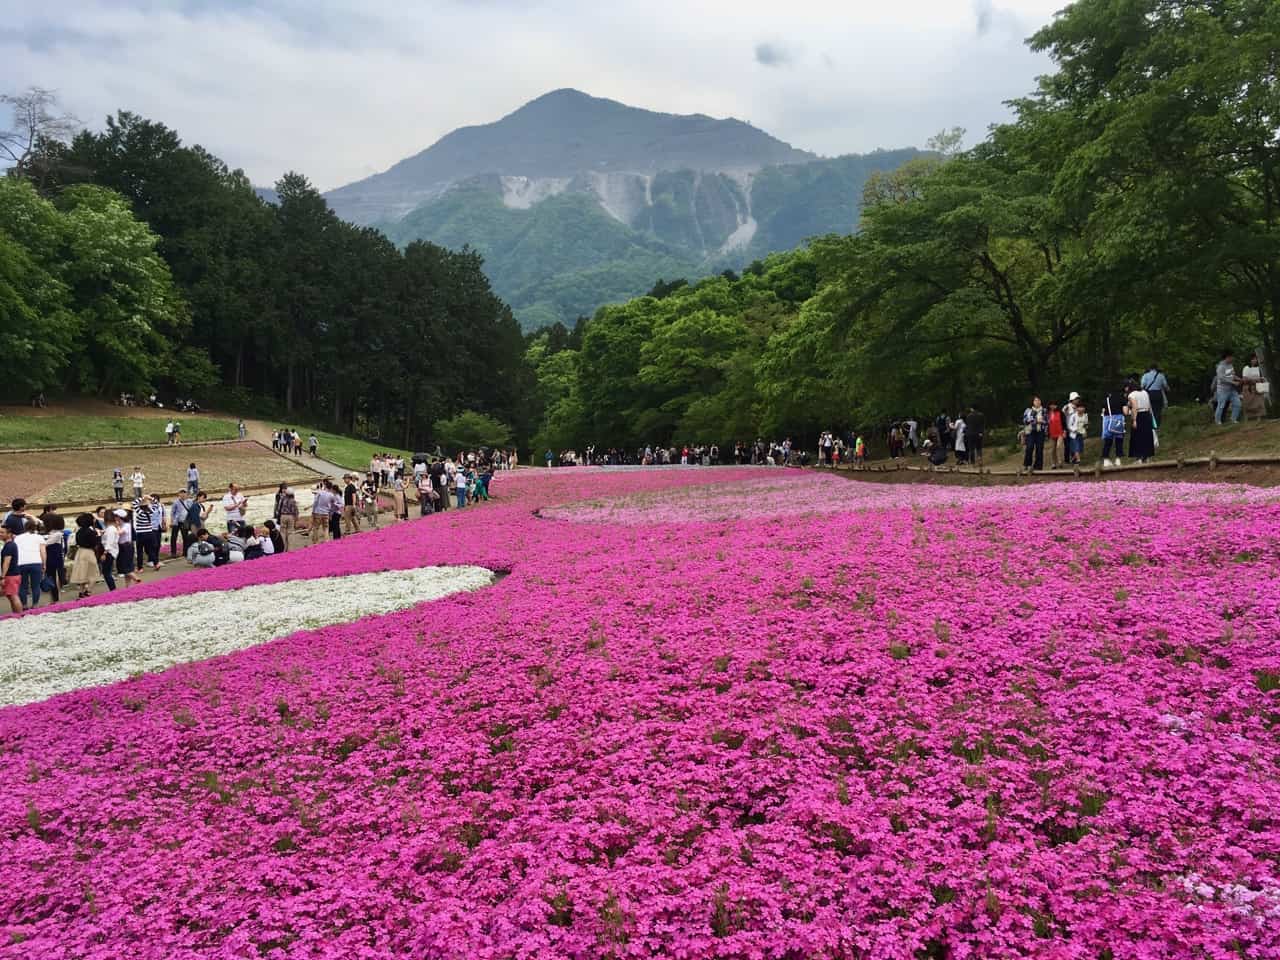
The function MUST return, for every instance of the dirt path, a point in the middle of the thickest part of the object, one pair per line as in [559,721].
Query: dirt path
[258,430]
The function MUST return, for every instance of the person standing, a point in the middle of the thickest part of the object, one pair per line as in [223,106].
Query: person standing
[369,500]
[146,534]
[1035,427]
[117,484]
[399,497]
[975,427]
[233,506]
[85,564]
[460,486]
[240,429]
[319,512]
[1142,443]
[1157,387]
[178,525]
[168,433]
[1115,410]
[32,557]
[1254,389]
[1226,389]
[177,433]
[1056,433]
[193,481]
[958,428]
[9,576]
[138,478]
[288,518]
[350,511]
[335,512]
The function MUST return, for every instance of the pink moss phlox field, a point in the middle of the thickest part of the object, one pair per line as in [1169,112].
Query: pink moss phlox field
[1042,722]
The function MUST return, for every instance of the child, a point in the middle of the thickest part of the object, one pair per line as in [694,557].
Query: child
[9,579]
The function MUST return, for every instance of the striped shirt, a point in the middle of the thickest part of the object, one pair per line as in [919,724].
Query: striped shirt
[145,520]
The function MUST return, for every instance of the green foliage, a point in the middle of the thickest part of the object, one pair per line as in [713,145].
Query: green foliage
[251,306]
[81,430]
[84,298]
[470,430]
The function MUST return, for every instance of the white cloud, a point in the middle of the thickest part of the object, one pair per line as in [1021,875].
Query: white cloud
[341,88]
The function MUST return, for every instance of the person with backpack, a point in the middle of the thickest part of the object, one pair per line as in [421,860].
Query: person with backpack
[203,552]
[1157,386]
[1115,409]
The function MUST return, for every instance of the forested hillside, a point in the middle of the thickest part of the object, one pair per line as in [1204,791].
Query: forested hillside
[133,262]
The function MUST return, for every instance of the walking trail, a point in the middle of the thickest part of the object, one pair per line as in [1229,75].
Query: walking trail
[258,430]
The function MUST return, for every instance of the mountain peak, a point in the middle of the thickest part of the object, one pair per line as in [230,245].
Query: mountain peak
[562,134]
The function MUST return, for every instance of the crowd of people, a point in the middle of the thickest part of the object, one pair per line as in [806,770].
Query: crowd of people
[115,545]
[287,440]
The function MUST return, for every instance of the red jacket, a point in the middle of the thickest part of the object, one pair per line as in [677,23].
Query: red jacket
[1055,424]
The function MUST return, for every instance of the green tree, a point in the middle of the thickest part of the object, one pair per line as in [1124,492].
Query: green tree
[469,430]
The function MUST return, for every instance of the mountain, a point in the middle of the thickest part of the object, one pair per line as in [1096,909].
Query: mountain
[559,136]
[576,201]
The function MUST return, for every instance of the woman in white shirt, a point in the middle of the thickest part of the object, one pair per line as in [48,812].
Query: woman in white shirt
[111,546]
[1254,390]
[31,561]
[1142,442]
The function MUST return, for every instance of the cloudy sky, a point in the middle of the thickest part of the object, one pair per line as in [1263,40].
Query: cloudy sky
[340,89]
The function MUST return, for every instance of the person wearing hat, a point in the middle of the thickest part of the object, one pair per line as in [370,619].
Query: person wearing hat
[350,505]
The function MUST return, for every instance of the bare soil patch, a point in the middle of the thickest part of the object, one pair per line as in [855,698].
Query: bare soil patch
[84,476]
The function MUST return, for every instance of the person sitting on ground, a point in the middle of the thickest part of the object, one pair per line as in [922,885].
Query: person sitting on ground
[235,545]
[204,551]
[273,542]
[253,549]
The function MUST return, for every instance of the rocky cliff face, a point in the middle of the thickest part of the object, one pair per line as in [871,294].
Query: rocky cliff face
[576,201]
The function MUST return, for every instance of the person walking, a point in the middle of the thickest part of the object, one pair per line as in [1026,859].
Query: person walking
[114,523]
[313,444]
[193,481]
[1226,387]
[168,433]
[177,433]
[85,567]
[1035,427]
[127,561]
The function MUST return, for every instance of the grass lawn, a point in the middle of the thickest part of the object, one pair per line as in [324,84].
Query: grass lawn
[347,452]
[67,430]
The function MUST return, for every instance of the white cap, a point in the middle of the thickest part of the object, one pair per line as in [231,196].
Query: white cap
[1073,396]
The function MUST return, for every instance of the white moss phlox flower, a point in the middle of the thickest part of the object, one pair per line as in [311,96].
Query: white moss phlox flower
[53,653]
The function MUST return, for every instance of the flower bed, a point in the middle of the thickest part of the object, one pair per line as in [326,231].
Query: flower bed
[1036,724]
[86,646]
